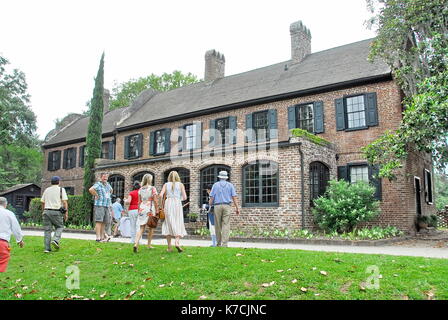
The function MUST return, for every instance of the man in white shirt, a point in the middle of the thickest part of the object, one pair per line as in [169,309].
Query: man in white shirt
[8,225]
[53,199]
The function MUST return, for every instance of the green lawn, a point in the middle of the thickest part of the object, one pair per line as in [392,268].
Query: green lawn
[113,271]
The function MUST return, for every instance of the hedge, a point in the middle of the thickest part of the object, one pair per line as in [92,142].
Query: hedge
[78,214]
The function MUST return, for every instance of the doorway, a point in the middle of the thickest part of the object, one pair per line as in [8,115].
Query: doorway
[418,201]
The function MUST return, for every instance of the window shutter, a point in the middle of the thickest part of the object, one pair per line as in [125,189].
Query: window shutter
[64,162]
[126,147]
[371,109]
[233,127]
[180,138]
[167,133]
[343,173]
[73,162]
[152,143]
[57,165]
[340,114]
[140,145]
[50,161]
[375,180]
[212,133]
[318,115]
[273,127]
[198,131]
[81,156]
[249,128]
[292,117]
[111,150]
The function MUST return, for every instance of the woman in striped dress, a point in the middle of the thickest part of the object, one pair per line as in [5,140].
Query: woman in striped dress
[173,226]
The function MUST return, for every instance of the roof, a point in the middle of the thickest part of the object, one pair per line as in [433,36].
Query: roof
[17,187]
[344,64]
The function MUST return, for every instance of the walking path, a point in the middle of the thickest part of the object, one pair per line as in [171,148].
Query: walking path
[396,250]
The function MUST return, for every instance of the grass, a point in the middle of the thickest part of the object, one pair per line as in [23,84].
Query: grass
[113,271]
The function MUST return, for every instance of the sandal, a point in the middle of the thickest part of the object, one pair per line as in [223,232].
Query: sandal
[135,249]
[179,249]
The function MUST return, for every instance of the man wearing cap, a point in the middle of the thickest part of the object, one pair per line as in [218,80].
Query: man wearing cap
[222,195]
[8,225]
[55,209]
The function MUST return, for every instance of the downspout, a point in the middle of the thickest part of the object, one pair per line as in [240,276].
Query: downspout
[302,185]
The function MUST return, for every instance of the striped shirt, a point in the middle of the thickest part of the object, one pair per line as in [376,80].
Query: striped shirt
[104,194]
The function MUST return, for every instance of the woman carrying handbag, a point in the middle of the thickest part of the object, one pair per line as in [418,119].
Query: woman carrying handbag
[147,196]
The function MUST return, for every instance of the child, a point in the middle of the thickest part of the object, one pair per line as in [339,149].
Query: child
[211,218]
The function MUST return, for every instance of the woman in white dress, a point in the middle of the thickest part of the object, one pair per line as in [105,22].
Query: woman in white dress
[147,206]
[173,226]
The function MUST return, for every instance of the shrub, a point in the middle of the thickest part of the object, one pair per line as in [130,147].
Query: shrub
[345,205]
[433,221]
[78,214]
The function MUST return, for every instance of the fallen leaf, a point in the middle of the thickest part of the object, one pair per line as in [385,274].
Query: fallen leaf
[147,279]
[142,286]
[303,289]
[33,283]
[124,262]
[239,255]
[337,260]
[130,294]
[317,294]
[362,286]
[324,273]
[314,268]
[268,284]
[395,275]
[202,297]
[99,249]
[18,295]
[25,288]
[103,295]
[189,256]
[279,270]
[294,281]
[161,285]
[33,291]
[131,265]
[76,297]
[18,280]
[115,262]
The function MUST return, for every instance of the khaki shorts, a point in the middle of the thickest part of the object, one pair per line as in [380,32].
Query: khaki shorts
[101,214]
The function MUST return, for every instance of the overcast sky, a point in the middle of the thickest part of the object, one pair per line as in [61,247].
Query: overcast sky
[58,43]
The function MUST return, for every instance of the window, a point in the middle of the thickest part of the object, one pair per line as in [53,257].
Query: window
[82,156]
[428,187]
[107,150]
[223,131]
[54,160]
[209,175]
[184,175]
[190,136]
[356,112]
[133,147]
[304,117]
[70,191]
[69,158]
[19,201]
[359,173]
[160,142]
[261,126]
[222,127]
[117,183]
[260,184]
[139,177]
[319,177]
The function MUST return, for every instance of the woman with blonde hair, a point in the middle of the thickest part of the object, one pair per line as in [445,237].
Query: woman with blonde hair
[173,225]
[147,206]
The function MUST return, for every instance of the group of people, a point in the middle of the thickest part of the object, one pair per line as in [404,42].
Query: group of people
[142,203]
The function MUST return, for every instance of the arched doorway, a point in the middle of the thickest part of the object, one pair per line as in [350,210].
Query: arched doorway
[184,175]
[209,175]
[117,183]
[319,177]
[139,177]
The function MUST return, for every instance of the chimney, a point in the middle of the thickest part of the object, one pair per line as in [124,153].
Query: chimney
[106,97]
[214,65]
[300,41]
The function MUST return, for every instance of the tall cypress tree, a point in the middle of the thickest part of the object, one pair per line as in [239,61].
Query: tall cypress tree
[94,134]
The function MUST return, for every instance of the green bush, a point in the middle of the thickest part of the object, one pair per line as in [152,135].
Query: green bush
[78,214]
[345,205]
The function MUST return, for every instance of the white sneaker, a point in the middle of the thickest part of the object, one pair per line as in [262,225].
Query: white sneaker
[47,251]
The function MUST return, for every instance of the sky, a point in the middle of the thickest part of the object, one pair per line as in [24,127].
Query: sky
[58,43]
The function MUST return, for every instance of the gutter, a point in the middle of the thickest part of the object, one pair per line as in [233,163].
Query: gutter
[302,185]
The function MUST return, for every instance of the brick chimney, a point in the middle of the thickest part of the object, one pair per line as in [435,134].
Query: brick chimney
[214,65]
[106,97]
[300,41]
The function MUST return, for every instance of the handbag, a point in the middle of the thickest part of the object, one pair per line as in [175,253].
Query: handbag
[152,222]
[162,207]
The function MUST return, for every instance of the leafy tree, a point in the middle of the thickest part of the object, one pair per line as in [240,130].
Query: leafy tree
[124,93]
[441,190]
[94,133]
[413,40]
[20,156]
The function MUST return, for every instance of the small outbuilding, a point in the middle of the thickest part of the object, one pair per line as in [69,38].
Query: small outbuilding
[20,196]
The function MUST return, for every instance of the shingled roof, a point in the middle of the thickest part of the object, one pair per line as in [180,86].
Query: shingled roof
[318,71]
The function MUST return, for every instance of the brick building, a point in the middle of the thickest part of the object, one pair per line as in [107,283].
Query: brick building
[242,123]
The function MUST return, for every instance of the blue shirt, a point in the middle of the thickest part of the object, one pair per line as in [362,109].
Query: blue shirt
[222,192]
[118,208]
[104,193]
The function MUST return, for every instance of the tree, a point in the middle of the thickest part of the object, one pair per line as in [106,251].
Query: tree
[124,93]
[413,40]
[441,190]
[20,156]
[94,133]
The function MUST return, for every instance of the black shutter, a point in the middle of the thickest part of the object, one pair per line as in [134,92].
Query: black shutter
[233,126]
[343,173]
[212,133]
[73,161]
[167,133]
[126,147]
[50,161]
[249,128]
[152,143]
[81,156]
[273,127]
[111,150]
[375,180]
[318,113]
[371,109]
[198,131]
[65,159]
[140,145]
[180,138]
[340,114]
[57,164]
[292,117]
